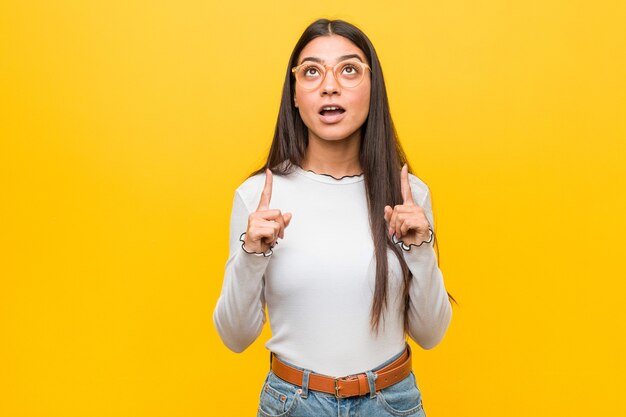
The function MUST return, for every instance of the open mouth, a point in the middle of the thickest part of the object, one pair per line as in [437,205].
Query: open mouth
[332,110]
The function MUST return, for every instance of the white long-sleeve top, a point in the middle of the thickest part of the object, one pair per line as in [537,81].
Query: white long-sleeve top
[319,281]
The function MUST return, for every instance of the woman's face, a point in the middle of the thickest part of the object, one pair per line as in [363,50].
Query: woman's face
[333,125]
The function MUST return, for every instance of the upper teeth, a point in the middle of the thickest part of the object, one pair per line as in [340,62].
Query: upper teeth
[331,108]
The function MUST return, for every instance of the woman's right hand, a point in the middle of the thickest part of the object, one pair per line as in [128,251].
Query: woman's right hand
[265,225]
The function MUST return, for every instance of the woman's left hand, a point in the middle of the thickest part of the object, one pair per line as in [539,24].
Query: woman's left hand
[407,220]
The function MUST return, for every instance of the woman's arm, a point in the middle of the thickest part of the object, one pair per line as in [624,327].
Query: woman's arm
[430,311]
[240,311]
[412,224]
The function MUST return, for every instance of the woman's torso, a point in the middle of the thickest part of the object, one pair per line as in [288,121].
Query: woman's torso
[320,280]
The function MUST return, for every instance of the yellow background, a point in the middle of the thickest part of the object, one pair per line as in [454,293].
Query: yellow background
[127,125]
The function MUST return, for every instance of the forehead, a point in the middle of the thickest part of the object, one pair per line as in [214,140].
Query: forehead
[329,48]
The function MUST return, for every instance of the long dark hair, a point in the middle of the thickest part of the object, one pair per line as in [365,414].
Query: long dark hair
[381,155]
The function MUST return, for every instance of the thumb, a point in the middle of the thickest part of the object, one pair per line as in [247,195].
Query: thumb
[287,218]
[388,213]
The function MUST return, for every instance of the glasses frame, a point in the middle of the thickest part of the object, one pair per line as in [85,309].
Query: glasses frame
[363,65]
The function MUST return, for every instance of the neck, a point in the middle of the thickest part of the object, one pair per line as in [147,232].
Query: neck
[333,157]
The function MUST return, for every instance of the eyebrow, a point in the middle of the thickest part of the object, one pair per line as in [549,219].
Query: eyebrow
[341,58]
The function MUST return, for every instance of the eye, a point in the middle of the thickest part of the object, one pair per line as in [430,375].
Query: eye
[310,71]
[350,69]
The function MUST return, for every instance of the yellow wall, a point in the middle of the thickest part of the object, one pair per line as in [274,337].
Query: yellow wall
[127,125]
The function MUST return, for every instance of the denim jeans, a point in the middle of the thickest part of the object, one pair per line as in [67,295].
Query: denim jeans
[280,398]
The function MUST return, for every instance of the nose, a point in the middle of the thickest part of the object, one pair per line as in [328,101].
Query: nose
[329,83]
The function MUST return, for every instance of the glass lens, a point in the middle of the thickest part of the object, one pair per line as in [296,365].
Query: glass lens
[310,75]
[349,73]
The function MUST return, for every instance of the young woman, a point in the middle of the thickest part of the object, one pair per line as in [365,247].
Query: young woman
[335,237]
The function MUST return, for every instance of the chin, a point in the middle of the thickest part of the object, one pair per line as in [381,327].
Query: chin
[328,134]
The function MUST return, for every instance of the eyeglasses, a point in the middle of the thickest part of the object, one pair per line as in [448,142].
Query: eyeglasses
[348,73]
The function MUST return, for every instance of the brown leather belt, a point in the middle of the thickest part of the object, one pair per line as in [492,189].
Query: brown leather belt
[347,386]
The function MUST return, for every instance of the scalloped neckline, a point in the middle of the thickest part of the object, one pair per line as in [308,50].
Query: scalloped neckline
[327,178]
[335,178]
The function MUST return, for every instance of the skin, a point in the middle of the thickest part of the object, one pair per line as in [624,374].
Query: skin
[333,149]
[265,225]
[407,220]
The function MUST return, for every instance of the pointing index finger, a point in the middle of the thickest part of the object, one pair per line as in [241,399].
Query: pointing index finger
[405,187]
[266,195]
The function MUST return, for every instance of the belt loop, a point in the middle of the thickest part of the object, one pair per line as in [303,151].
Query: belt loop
[371,377]
[305,383]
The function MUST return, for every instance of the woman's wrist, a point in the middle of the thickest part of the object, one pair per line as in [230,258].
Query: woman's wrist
[407,247]
[267,253]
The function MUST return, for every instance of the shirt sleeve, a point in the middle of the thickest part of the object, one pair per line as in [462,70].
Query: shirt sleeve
[239,314]
[430,311]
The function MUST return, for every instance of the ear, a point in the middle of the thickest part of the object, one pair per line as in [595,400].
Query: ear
[295,102]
